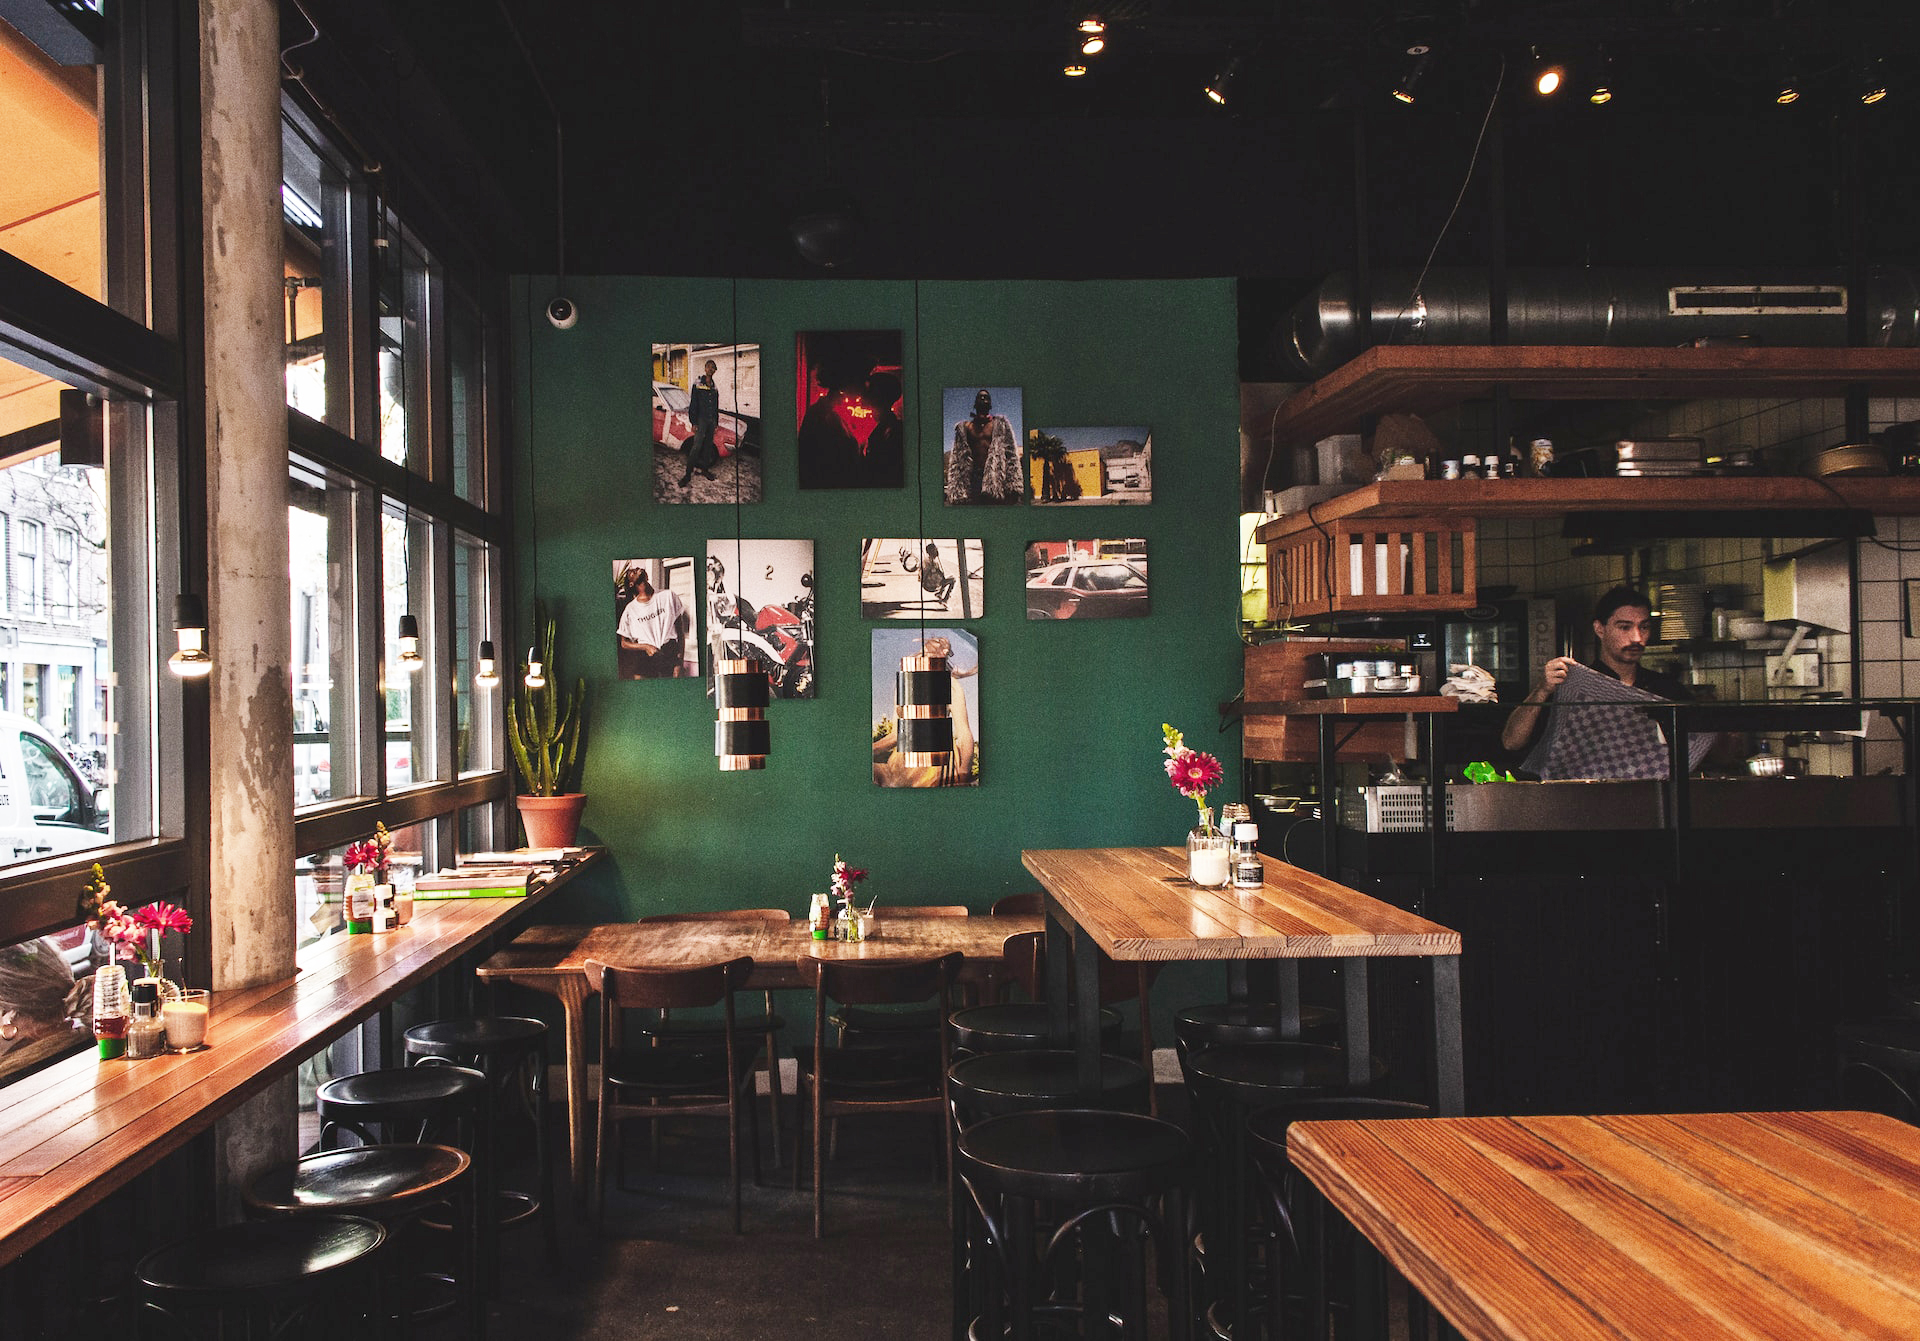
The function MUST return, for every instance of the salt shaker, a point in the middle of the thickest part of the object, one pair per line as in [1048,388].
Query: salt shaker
[1248,873]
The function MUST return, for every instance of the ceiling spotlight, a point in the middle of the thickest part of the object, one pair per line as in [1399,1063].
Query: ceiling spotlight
[1403,91]
[1547,76]
[1875,88]
[1789,92]
[1093,23]
[1093,44]
[1602,93]
[1073,69]
[1220,87]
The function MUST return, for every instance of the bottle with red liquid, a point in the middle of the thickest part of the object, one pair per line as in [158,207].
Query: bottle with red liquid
[110,1010]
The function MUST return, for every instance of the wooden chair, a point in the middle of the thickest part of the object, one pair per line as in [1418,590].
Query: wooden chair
[852,1022]
[767,1024]
[902,1073]
[679,1081]
[1028,903]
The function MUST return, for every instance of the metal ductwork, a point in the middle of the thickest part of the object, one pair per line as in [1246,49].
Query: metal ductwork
[1597,307]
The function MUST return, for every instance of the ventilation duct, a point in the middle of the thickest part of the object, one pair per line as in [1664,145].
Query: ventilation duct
[1596,307]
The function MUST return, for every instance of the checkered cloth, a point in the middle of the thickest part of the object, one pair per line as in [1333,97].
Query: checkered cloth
[1594,730]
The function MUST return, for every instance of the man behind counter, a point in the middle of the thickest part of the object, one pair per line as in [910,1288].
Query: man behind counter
[1622,624]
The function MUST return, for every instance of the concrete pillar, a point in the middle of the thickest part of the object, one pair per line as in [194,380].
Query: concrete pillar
[251,812]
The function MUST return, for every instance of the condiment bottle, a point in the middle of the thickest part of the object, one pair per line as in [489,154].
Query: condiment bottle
[821,916]
[1470,467]
[1248,873]
[146,1035]
[110,1009]
[383,914]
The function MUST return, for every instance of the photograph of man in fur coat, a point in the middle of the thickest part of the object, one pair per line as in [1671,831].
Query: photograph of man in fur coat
[983,463]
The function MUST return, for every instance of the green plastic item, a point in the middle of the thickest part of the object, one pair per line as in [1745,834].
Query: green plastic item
[1482,771]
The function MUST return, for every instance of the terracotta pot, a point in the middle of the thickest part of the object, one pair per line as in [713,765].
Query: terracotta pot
[551,821]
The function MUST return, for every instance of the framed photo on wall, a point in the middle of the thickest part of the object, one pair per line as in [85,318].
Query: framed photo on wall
[706,423]
[653,601]
[906,578]
[962,650]
[1082,466]
[983,433]
[1087,579]
[760,604]
[851,405]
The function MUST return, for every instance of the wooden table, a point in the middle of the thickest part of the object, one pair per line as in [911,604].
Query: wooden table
[1135,903]
[79,1129]
[553,960]
[1702,1226]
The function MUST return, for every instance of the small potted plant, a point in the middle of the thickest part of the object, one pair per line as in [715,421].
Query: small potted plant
[545,730]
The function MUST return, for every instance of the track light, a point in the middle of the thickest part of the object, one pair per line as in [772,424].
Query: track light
[190,660]
[536,670]
[487,673]
[1403,91]
[1547,76]
[1220,87]
[410,644]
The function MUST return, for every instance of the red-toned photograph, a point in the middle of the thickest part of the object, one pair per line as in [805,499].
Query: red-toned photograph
[850,399]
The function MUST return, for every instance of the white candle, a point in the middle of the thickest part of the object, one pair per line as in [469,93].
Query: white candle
[1209,866]
[185,1021]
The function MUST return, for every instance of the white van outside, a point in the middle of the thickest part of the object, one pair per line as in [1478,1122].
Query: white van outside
[46,807]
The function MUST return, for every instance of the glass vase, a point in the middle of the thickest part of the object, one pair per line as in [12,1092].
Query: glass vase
[1209,853]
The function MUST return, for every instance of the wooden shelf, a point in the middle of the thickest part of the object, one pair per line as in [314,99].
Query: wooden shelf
[1394,378]
[1887,496]
[1372,705]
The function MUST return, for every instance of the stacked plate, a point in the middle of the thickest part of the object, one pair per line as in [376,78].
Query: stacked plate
[1661,456]
[1682,608]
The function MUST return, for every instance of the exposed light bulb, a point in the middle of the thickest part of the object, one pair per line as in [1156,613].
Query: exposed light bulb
[410,644]
[487,673]
[536,671]
[189,660]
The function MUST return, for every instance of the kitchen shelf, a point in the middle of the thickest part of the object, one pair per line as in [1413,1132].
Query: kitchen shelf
[1418,380]
[1368,706]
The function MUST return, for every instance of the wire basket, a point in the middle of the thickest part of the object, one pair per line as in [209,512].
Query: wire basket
[1393,807]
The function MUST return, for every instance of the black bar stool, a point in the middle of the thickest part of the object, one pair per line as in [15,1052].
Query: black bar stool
[502,1047]
[1227,1084]
[313,1276]
[1229,1022]
[1288,1252]
[395,1185]
[1879,1066]
[412,1105]
[1009,1026]
[992,1083]
[1114,1184]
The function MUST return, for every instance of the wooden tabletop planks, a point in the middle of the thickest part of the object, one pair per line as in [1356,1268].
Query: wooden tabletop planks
[775,947]
[76,1130]
[1137,905]
[1704,1226]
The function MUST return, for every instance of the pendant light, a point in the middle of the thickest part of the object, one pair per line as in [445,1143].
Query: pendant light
[487,673]
[409,632]
[536,677]
[190,660]
[742,737]
[923,688]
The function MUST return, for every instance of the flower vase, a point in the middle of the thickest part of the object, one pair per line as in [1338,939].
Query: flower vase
[853,927]
[1209,853]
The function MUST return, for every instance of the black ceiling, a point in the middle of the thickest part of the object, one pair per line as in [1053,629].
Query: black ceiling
[696,134]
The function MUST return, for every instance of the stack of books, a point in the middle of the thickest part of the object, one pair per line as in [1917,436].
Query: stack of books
[474,881]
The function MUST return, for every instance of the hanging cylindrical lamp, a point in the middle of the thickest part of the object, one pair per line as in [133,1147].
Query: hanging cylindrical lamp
[741,735]
[190,659]
[487,673]
[410,644]
[923,711]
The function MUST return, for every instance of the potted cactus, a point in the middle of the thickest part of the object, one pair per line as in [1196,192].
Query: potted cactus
[545,730]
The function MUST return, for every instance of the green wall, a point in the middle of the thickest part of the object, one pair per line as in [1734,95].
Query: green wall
[1070,711]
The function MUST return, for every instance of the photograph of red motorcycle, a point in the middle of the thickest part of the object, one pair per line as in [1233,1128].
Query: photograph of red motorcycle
[760,604]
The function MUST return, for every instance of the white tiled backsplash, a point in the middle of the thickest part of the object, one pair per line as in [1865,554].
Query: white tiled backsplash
[1533,557]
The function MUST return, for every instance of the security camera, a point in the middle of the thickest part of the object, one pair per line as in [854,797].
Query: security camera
[562,313]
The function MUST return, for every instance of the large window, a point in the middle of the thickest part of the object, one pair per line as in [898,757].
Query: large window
[387,367]
[89,436]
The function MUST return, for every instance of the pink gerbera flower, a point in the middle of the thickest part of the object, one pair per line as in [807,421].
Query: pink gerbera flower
[163,917]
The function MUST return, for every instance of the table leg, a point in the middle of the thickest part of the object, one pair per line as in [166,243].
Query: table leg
[1059,972]
[573,995]
[1287,975]
[1086,1013]
[1449,1082]
[1359,1041]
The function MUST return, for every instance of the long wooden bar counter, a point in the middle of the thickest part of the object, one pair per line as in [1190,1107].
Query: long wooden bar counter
[77,1130]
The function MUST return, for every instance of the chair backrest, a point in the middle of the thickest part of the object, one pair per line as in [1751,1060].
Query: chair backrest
[725,915]
[1029,903]
[927,910]
[881,982]
[665,988]
[1026,955]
